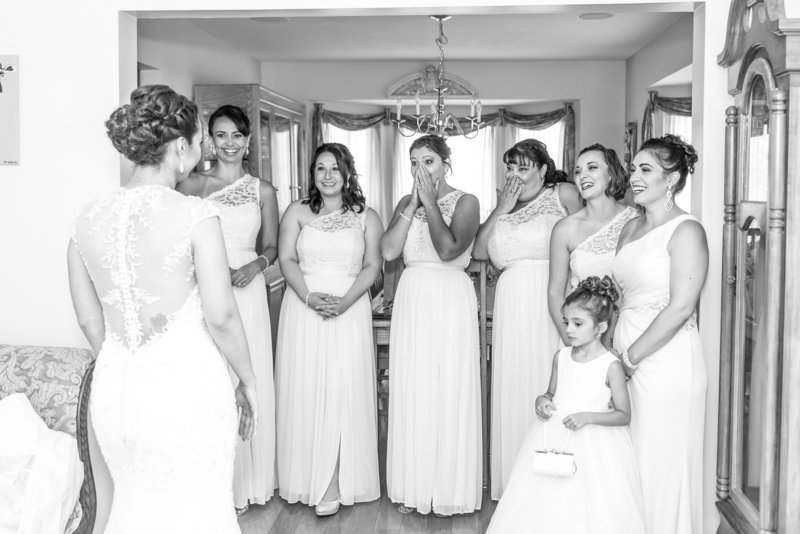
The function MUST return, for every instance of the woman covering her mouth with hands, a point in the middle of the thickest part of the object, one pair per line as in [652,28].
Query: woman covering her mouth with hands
[516,237]
[325,371]
[434,445]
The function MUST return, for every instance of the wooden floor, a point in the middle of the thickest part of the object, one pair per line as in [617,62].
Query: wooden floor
[280,517]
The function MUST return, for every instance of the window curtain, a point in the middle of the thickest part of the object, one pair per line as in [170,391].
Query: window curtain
[676,106]
[387,154]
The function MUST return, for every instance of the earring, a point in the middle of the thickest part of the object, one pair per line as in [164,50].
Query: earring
[668,203]
[247,151]
[180,165]
[213,150]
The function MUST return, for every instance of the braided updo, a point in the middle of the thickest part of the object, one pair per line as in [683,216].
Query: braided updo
[156,115]
[675,155]
[596,296]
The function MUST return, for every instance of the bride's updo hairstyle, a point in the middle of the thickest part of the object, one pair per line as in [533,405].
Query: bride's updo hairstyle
[675,155]
[596,296]
[156,115]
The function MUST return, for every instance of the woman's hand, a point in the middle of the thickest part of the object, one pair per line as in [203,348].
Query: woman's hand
[577,420]
[544,408]
[316,300]
[244,275]
[333,307]
[247,402]
[414,201]
[426,188]
[507,198]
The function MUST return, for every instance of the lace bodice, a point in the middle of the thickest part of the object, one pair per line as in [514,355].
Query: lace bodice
[595,254]
[333,244]
[642,271]
[136,245]
[582,385]
[419,246]
[525,234]
[240,212]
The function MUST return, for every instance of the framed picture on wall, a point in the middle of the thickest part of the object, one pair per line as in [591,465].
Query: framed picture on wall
[9,110]
[630,144]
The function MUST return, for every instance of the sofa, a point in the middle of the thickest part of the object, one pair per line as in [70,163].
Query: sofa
[57,382]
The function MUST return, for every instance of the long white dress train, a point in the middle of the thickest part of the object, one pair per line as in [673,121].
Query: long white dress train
[162,404]
[523,334]
[668,390]
[434,446]
[240,213]
[326,385]
[604,495]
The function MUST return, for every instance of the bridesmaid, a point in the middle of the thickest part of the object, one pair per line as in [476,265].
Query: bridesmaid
[584,244]
[248,210]
[661,266]
[326,385]
[434,446]
[516,237]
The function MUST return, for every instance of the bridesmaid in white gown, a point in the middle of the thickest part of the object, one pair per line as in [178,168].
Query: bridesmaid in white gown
[661,267]
[149,281]
[249,214]
[325,373]
[434,445]
[516,237]
[585,243]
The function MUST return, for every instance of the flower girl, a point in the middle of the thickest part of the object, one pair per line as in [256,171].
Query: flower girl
[576,472]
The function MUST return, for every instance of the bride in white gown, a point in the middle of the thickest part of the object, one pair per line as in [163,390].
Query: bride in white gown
[150,286]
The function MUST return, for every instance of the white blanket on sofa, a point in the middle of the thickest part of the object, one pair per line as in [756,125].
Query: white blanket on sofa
[40,472]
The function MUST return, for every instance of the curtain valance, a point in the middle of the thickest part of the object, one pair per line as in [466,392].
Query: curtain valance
[674,105]
[502,117]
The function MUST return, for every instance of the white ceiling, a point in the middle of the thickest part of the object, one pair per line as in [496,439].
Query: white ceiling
[509,36]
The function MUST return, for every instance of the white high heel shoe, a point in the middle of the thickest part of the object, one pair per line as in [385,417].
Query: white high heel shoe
[326,508]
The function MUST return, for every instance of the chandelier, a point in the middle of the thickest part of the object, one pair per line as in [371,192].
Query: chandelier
[434,82]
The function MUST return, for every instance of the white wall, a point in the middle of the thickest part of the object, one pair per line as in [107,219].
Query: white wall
[185,55]
[667,53]
[598,87]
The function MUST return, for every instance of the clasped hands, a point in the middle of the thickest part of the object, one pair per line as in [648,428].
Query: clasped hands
[326,305]
[545,410]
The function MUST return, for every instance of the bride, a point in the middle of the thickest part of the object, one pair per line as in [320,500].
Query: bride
[151,289]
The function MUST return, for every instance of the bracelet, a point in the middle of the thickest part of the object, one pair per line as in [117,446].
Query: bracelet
[627,361]
[306,299]
[266,260]
[406,217]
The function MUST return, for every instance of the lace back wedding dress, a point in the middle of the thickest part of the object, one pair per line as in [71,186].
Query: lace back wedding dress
[162,404]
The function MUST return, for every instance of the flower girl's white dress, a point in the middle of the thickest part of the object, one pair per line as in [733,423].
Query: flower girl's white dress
[604,494]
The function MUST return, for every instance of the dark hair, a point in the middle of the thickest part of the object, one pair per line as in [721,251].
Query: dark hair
[675,155]
[436,144]
[561,176]
[352,196]
[534,151]
[236,116]
[620,180]
[156,115]
[596,296]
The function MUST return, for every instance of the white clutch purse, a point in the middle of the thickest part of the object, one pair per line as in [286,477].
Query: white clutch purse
[553,462]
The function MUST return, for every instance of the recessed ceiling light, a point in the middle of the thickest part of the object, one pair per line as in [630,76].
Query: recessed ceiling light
[270,20]
[595,16]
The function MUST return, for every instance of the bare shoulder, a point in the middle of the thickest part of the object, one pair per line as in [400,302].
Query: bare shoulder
[468,202]
[373,218]
[689,233]
[267,189]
